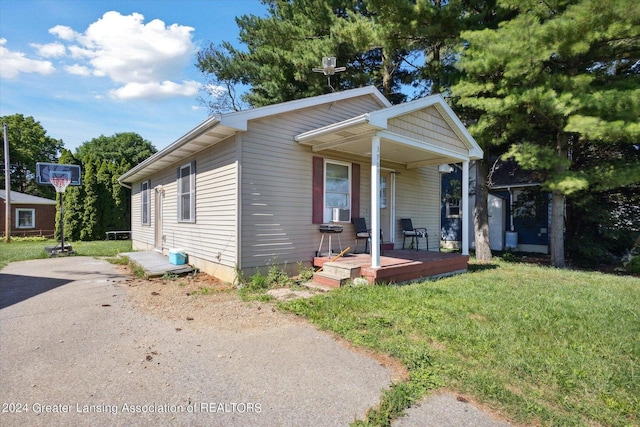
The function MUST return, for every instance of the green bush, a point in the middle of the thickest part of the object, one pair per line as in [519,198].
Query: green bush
[258,281]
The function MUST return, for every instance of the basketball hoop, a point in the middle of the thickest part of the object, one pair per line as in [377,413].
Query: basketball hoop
[60,183]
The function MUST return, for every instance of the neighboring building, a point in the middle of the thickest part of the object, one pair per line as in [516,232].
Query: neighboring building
[249,189]
[30,215]
[519,211]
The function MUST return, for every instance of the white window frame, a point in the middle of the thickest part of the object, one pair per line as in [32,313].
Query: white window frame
[191,192]
[327,210]
[145,201]
[453,208]
[33,217]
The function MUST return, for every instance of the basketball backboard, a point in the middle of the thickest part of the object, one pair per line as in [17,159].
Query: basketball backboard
[44,171]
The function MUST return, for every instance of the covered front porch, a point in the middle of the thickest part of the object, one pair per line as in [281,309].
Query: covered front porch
[413,136]
[396,266]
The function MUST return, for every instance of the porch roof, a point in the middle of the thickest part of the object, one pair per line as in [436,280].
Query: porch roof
[414,143]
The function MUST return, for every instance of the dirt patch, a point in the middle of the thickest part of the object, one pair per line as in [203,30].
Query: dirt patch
[202,301]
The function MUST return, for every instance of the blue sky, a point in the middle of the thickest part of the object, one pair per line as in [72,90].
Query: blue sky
[90,68]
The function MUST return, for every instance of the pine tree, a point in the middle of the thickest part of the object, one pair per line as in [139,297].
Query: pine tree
[555,77]
[91,215]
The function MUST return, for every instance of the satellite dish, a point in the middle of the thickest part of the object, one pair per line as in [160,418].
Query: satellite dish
[329,69]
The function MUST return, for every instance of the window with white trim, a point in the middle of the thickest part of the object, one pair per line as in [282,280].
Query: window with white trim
[453,208]
[337,191]
[186,185]
[25,218]
[146,205]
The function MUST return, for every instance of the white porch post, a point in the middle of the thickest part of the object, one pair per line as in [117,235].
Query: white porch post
[375,202]
[464,209]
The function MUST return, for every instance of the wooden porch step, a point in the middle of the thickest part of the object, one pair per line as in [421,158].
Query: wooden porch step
[347,269]
[336,274]
[322,278]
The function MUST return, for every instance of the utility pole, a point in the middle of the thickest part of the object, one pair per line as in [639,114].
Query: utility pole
[7,186]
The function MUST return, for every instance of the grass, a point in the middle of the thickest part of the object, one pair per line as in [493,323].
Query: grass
[539,345]
[21,250]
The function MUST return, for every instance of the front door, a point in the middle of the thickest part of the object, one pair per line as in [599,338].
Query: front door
[158,219]
[386,205]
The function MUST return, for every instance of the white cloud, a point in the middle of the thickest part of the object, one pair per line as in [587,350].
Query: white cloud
[78,70]
[63,32]
[156,90]
[14,63]
[142,58]
[50,50]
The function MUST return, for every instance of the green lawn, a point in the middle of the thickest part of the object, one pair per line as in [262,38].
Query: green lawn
[20,250]
[540,345]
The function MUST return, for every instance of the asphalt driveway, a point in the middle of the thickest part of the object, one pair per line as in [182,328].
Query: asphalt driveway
[75,351]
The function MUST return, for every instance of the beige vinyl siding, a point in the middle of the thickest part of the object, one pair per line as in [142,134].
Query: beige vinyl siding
[141,235]
[428,125]
[213,236]
[277,186]
[418,198]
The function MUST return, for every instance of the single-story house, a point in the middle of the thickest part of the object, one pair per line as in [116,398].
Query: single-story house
[30,215]
[519,211]
[249,189]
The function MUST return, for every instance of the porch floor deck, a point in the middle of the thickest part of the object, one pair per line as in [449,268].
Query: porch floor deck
[396,266]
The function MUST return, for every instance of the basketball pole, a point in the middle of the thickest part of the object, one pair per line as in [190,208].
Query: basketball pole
[62,220]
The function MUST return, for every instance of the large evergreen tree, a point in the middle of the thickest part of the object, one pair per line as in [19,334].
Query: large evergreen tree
[91,208]
[558,76]
[404,47]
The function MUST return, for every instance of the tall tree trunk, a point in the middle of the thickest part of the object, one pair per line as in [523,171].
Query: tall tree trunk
[387,80]
[557,229]
[557,208]
[481,212]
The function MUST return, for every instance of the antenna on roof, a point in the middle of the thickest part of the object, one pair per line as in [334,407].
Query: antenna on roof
[329,69]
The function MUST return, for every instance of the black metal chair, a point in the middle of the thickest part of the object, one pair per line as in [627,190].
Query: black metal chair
[415,233]
[362,232]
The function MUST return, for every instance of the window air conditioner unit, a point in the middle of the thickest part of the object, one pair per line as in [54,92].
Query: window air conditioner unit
[340,215]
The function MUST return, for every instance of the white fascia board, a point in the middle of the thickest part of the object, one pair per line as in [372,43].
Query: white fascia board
[384,115]
[335,127]
[421,145]
[239,119]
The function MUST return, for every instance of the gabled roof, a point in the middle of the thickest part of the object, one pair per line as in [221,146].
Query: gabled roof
[354,136]
[219,127]
[18,198]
